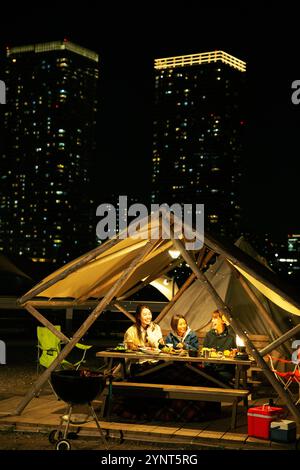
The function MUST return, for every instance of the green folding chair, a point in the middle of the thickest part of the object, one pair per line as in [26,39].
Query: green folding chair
[49,346]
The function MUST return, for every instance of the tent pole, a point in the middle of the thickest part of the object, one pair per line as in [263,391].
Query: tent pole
[277,342]
[237,328]
[46,323]
[86,324]
[123,310]
[265,314]
[207,259]
[56,304]
[82,261]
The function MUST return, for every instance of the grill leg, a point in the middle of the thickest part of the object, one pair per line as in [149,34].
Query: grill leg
[98,426]
[69,414]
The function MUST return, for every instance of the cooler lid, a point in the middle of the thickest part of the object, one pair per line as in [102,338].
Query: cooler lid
[265,410]
[283,424]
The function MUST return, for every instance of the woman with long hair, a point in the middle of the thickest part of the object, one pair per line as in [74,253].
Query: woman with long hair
[144,332]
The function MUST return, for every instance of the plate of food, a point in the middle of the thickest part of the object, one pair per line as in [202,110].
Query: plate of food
[119,350]
[148,350]
[171,350]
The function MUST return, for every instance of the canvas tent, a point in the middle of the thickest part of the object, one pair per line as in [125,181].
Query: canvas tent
[122,265]
[197,306]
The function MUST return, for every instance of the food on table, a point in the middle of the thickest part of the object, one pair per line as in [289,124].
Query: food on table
[171,350]
[214,354]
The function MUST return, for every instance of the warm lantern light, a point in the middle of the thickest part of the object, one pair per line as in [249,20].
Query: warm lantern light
[174,253]
[239,341]
[241,353]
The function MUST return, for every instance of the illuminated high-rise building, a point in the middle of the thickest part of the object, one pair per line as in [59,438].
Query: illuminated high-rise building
[49,151]
[293,243]
[198,135]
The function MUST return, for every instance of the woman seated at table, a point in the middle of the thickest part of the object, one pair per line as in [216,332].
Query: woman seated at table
[181,336]
[144,333]
[220,338]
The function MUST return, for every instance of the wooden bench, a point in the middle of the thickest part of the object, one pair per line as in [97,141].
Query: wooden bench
[184,392]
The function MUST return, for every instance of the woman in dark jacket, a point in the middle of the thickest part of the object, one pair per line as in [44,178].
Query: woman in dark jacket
[181,336]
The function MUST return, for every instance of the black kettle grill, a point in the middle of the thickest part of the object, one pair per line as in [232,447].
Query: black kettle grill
[75,387]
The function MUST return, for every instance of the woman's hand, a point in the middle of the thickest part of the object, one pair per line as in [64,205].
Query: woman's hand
[131,345]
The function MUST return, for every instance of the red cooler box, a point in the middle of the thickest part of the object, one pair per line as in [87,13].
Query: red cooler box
[260,418]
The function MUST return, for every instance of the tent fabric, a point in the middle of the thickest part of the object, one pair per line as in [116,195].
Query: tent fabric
[269,293]
[197,306]
[95,278]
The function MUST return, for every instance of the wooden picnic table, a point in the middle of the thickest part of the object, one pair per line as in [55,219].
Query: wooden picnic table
[191,362]
[223,393]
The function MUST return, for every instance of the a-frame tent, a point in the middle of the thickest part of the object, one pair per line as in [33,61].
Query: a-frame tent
[123,265]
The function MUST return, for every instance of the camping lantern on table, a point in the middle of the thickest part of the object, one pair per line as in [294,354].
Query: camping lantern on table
[76,387]
[241,352]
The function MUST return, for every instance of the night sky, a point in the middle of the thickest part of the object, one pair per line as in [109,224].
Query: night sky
[129,38]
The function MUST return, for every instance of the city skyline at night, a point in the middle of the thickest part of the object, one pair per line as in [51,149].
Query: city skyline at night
[127,52]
